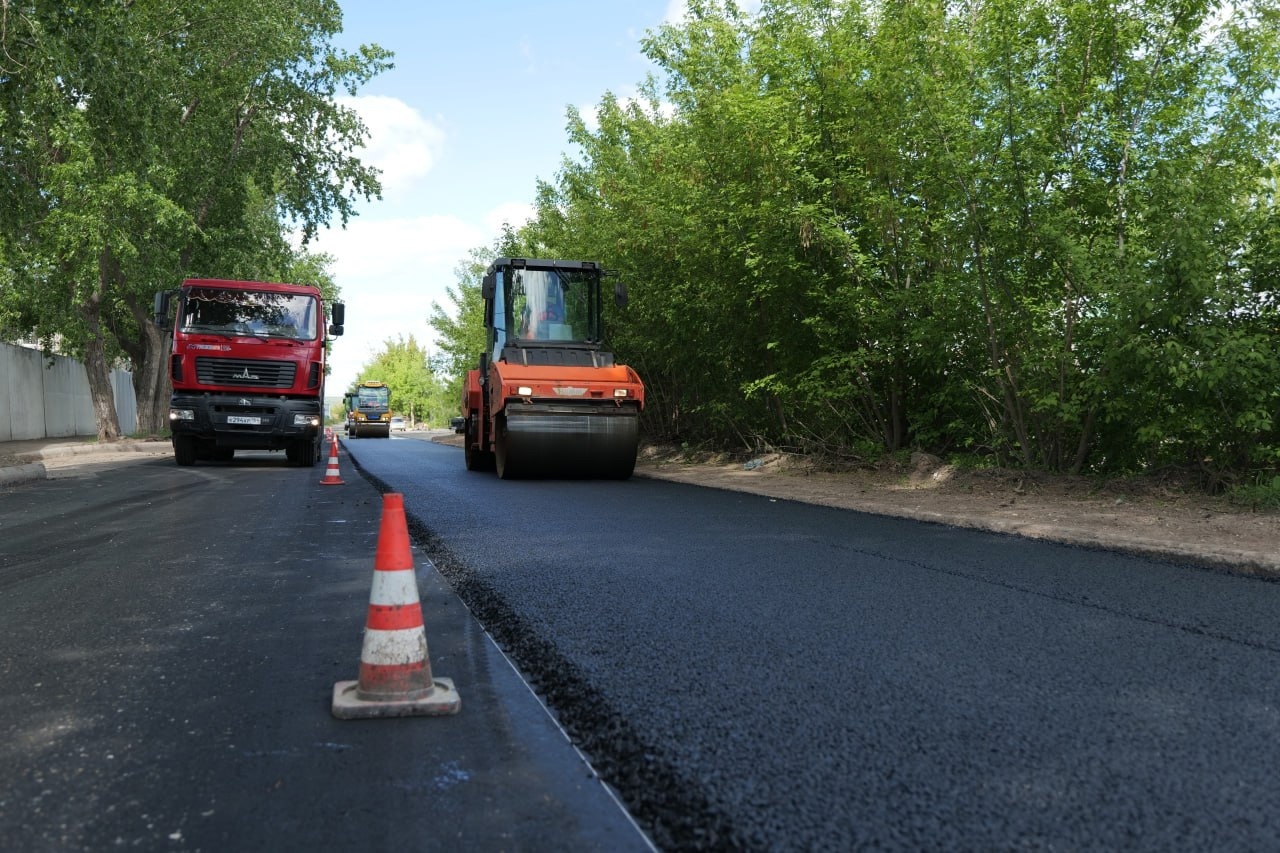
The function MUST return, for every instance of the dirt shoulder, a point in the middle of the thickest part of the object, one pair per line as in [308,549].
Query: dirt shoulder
[1153,518]
[1146,517]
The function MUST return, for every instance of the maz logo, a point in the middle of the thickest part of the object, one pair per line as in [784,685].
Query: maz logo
[245,374]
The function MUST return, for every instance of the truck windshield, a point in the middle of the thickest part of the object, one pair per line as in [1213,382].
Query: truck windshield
[552,305]
[248,312]
[377,397]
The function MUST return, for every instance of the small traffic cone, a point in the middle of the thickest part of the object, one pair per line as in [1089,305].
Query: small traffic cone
[332,476]
[395,670]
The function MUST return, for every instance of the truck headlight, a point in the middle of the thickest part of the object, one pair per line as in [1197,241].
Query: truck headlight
[306,420]
[182,414]
[524,391]
[619,392]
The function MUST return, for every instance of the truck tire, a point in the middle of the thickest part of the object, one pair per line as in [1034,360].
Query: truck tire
[184,450]
[302,452]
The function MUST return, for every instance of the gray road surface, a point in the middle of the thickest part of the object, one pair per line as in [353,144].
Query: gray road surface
[169,642]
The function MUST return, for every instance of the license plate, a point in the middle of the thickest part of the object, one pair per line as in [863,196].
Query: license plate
[244,419]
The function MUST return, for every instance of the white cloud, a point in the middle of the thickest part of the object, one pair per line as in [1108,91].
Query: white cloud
[590,114]
[390,273]
[391,249]
[402,144]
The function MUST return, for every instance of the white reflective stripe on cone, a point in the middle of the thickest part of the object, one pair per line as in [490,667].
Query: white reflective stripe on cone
[394,647]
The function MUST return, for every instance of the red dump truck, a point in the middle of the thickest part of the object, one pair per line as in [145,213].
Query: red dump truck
[248,368]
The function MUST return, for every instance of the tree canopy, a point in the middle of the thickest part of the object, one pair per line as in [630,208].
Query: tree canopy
[417,392]
[1037,233]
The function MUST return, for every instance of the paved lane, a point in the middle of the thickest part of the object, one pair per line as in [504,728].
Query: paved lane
[169,641]
[782,676]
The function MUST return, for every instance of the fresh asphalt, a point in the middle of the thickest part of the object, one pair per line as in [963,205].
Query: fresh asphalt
[759,674]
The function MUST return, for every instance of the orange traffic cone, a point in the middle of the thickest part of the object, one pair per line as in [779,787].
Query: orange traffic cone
[332,476]
[395,671]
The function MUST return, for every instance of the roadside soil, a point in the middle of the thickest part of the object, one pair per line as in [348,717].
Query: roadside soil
[1154,517]
[1159,517]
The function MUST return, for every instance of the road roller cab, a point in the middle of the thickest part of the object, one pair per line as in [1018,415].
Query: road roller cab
[546,399]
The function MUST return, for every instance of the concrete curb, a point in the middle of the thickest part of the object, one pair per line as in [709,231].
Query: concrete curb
[29,465]
[25,473]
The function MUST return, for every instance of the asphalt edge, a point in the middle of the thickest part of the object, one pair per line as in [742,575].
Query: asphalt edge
[480,608]
[1252,564]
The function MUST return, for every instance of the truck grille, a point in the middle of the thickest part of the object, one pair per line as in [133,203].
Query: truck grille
[245,372]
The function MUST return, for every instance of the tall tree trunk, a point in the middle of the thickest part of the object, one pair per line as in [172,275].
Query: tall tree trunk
[151,386]
[149,353]
[101,394]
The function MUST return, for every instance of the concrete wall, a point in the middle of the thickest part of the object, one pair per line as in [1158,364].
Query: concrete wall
[43,399]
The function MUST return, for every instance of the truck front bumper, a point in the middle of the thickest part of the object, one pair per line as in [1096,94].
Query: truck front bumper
[244,421]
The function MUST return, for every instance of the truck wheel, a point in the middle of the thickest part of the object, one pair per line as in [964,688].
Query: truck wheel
[309,451]
[184,450]
[301,453]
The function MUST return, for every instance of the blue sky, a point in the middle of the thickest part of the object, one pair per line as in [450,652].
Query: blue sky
[472,115]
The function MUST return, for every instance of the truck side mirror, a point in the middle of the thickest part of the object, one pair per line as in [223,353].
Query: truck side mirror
[163,298]
[620,294]
[339,318]
[487,286]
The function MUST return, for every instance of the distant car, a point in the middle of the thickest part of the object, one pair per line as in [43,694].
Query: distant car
[459,424]
[398,424]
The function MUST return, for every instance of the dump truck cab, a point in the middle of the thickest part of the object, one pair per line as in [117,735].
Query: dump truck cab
[247,367]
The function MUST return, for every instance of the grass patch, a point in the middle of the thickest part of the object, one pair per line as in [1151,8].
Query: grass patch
[1262,493]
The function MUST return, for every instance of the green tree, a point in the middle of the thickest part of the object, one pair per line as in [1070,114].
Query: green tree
[145,142]
[416,392]
[1032,231]
[460,334]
